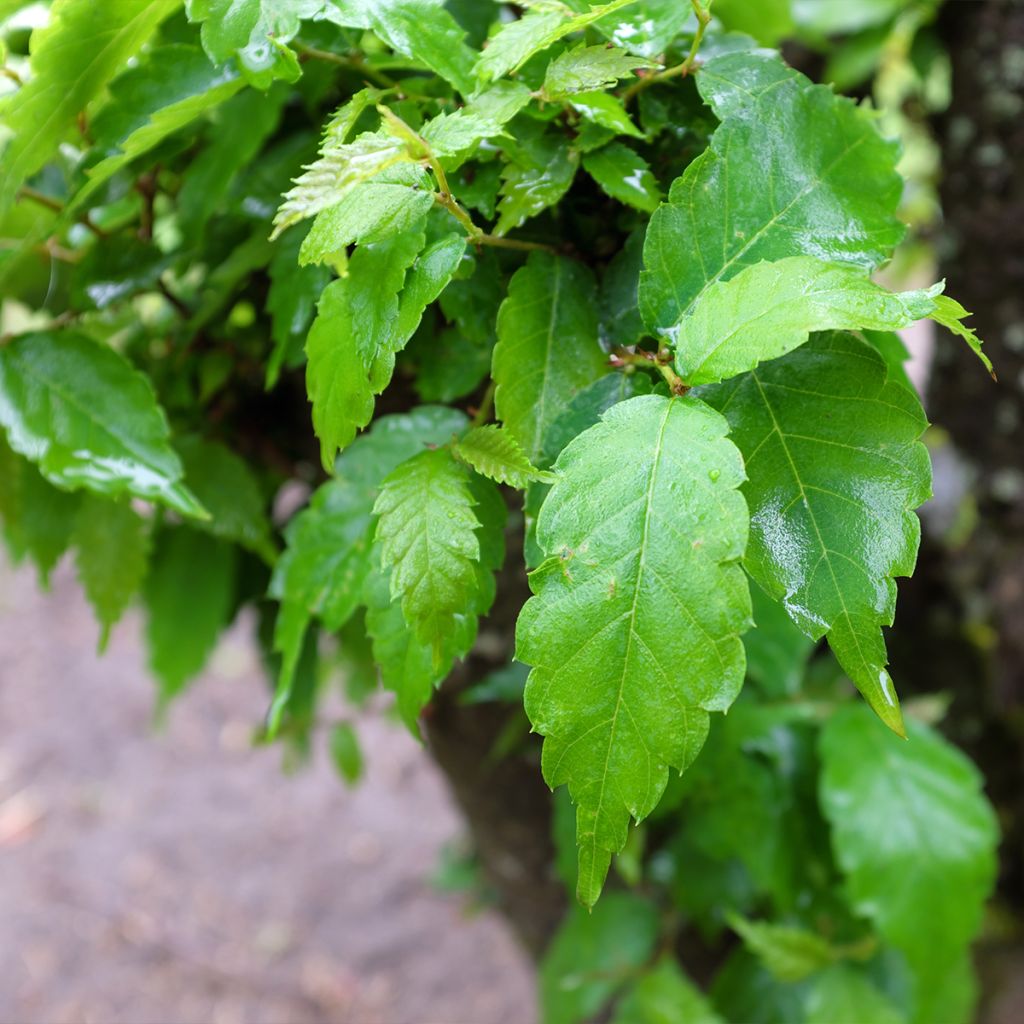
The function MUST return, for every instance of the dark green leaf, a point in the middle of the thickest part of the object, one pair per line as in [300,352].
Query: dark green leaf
[624,175]
[345,752]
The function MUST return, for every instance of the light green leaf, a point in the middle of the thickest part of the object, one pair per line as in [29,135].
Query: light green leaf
[790,953]
[345,752]
[792,170]
[88,419]
[664,995]
[429,275]
[81,48]
[915,838]
[112,553]
[227,488]
[535,178]
[644,28]
[633,632]
[594,955]
[547,346]
[495,453]
[844,995]
[585,68]
[189,596]
[352,342]
[426,533]
[484,117]
[519,40]
[769,309]
[835,471]
[606,111]
[624,175]
[948,312]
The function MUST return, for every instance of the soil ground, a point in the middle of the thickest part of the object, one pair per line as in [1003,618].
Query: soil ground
[178,875]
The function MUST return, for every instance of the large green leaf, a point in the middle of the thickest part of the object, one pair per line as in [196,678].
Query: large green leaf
[633,632]
[82,47]
[835,471]
[844,995]
[547,345]
[792,170]
[915,838]
[768,309]
[664,995]
[88,419]
[643,28]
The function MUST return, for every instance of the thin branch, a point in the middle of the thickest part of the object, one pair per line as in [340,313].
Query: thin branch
[486,408]
[660,361]
[679,70]
[352,63]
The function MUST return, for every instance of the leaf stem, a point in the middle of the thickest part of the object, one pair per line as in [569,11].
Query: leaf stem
[486,407]
[25,192]
[661,361]
[679,70]
[353,63]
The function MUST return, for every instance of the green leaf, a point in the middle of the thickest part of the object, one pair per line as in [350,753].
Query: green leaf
[835,471]
[777,651]
[792,169]
[605,111]
[644,28]
[495,453]
[594,955]
[112,553]
[547,346]
[536,177]
[88,419]
[664,995]
[915,838]
[426,533]
[791,954]
[352,342]
[81,48]
[624,175]
[768,21]
[585,68]
[843,995]
[621,323]
[518,41]
[345,752]
[230,492]
[744,990]
[948,312]
[633,632]
[769,309]
[172,87]
[189,595]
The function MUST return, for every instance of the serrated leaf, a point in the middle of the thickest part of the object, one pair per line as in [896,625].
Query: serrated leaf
[791,170]
[112,554]
[535,178]
[844,995]
[594,955]
[621,323]
[585,68]
[345,752]
[624,175]
[189,596]
[43,520]
[633,632]
[81,48]
[790,953]
[644,28]
[835,471]
[768,309]
[948,312]
[915,838]
[664,995]
[547,345]
[606,111]
[88,419]
[519,40]
[426,533]
[495,453]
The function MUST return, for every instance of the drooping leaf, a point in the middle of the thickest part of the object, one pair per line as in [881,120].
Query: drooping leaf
[81,48]
[346,753]
[633,632]
[88,419]
[948,312]
[914,836]
[769,309]
[844,995]
[584,68]
[624,175]
[792,170]
[664,995]
[547,346]
[112,552]
[835,471]
[495,453]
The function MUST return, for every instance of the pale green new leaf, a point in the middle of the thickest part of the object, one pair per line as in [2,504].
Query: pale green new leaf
[547,346]
[624,175]
[426,533]
[495,453]
[112,553]
[585,68]
[81,48]
[88,419]
[664,995]
[835,472]
[792,170]
[915,838]
[605,111]
[769,309]
[948,312]
[844,995]
[634,630]
[790,953]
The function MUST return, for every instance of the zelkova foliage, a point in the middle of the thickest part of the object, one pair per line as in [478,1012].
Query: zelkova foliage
[617,258]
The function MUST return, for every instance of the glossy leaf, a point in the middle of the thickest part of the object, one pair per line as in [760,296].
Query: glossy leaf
[949,313]
[547,346]
[88,419]
[537,177]
[624,175]
[585,68]
[623,603]
[792,170]
[835,472]
[915,838]
[493,452]
[644,28]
